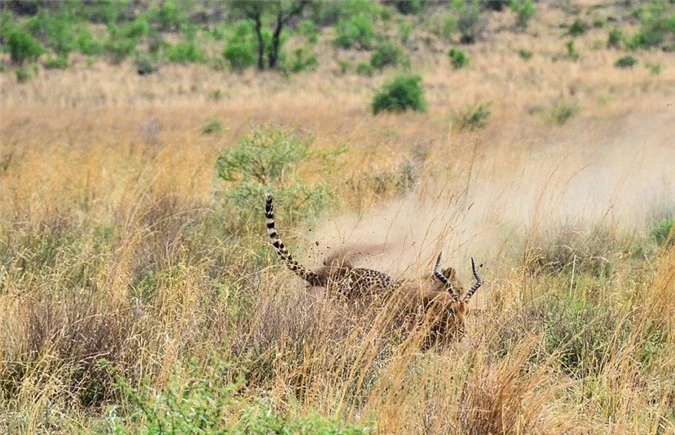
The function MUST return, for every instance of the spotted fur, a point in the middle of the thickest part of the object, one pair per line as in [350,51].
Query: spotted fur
[338,274]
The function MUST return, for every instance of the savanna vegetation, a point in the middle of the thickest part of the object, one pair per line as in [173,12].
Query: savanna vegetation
[138,290]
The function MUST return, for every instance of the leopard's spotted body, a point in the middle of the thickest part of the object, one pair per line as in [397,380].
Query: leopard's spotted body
[348,281]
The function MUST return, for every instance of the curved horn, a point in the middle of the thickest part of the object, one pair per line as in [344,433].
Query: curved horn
[443,279]
[477,284]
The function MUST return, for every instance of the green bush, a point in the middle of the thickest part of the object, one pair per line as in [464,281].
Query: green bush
[23,75]
[168,16]
[387,54]
[212,127]
[186,52]
[239,56]
[86,44]
[572,54]
[525,54]
[240,50]
[654,68]
[308,29]
[577,28]
[57,31]
[118,46]
[22,46]
[404,31]
[443,26]
[357,31]
[662,233]
[104,11]
[458,58]
[563,111]
[57,62]
[138,28]
[615,38]
[524,10]
[302,59]
[403,93]
[199,401]
[364,69]
[268,160]
[473,117]
[626,62]
[657,27]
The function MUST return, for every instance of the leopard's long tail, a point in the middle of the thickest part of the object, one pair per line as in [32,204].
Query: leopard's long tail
[300,270]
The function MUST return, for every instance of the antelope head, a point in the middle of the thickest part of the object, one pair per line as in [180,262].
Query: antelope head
[448,308]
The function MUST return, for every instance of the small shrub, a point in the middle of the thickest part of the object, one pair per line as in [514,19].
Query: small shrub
[57,62]
[615,38]
[472,118]
[657,27]
[301,60]
[662,233]
[86,44]
[386,54]
[216,95]
[404,31]
[308,29]
[364,69]
[345,66]
[240,51]
[626,62]
[58,31]
[268,161]
[443,26]
[563,111]
[598,23]
[357,31]
[186,52]
[212,127]
[458,58]
[403,93]
[138,28]
[524,10]
[23,75]
[239,56]
[118,46]
[203,403]
[168,16]
[572,53]
[525,54]
[577,28]
[654,68]
[22,46]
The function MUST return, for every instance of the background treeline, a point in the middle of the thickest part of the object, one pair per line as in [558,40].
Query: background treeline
[289,36]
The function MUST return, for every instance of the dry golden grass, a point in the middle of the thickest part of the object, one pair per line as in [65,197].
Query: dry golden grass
[112,242]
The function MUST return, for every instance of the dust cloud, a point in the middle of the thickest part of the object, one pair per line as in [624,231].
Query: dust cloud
[619,173]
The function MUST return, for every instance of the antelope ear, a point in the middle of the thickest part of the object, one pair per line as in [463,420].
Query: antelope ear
[449,272]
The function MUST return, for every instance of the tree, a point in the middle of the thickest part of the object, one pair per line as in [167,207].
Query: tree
[280,13]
